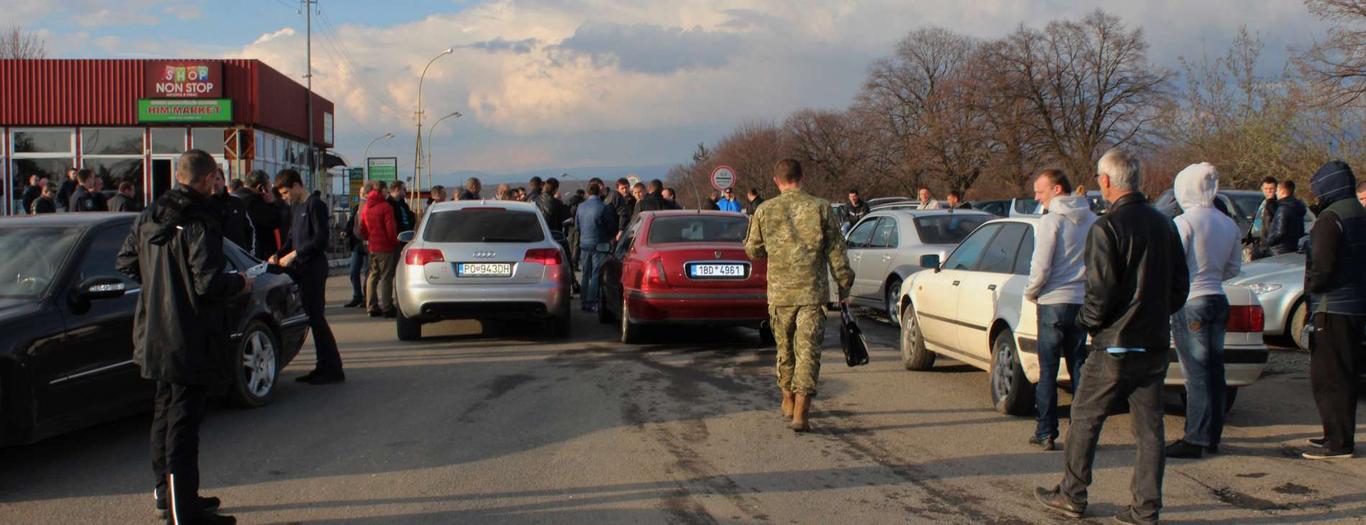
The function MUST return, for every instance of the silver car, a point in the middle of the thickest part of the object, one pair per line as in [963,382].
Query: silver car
[485,260]
[1278,282]
[885,248]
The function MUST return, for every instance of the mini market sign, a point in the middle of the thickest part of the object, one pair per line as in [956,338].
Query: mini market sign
[184,110]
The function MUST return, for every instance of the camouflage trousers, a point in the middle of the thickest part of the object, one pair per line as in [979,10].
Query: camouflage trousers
[799,331]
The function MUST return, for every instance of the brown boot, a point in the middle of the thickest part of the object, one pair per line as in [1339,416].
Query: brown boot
[788,400]
[801,408]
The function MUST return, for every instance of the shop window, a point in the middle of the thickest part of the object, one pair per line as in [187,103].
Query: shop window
[42,152]
[111,141]
[115,170]
[209,139]
[168,140]
[43,141]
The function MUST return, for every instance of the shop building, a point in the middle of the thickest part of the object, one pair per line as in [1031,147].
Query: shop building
[128,120]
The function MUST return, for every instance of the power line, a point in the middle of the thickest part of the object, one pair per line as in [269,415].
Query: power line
[347,60]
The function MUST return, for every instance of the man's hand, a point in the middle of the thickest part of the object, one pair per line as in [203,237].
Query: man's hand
[287,259]
[274,259]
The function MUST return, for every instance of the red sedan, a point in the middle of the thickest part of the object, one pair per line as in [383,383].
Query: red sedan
[684,267]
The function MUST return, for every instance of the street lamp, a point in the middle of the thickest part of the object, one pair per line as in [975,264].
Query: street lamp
[417,157]
[366,159]
[453,114]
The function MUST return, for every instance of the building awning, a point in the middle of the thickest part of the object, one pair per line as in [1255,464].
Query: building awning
[331,160]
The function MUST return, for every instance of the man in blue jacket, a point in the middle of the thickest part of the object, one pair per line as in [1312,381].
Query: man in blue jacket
[597,224]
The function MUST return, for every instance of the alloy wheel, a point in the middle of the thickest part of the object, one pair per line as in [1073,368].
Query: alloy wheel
[258,362]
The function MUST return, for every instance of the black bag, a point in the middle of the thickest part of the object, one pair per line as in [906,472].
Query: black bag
[851,339]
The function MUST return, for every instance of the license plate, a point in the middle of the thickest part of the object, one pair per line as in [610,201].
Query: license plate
[716,271]
[483,269]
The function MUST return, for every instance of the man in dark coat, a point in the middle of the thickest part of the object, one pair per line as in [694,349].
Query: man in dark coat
[32,192]
[258,200]
[305,258]
[355,245]
[233,215]
[87,196]
[622,203]
[554,209]
[47,201]
[1288,225]
[68,187]
[125,200]
[404,217]
[175,251]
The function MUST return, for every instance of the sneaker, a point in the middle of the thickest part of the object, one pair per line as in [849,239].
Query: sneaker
[1045,443]
[1180,449]
[1328,454]
[1054,499]
[1316,442]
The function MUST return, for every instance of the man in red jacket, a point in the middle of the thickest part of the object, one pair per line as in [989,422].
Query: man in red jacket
[380,230]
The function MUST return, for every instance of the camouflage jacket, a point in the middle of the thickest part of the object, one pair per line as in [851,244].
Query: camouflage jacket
[800,236]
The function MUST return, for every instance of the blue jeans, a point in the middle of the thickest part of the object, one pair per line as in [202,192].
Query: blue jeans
[360,263]
[1059,338]
[590,260]
[1198,329]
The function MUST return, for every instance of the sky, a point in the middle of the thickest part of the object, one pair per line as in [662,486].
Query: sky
[564,84]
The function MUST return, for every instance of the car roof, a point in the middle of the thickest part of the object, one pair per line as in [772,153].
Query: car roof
[681,213]
[84,219]
[926,213]
[483,203]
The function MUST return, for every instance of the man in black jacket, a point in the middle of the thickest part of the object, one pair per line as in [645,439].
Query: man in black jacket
[652,200]
[360,259]
[306,260]
[233,214]
[623,203]
[175,251]
[554,209]
[1337,303]
[404,217]
[125,199]
[1287,228]
[32,192]
[68,187]
[87,196]
[1136,279]
[259,201]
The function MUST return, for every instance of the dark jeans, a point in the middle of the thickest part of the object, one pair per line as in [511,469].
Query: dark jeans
[1198,330]
[1335,361]
[590,261]
[1107,380]
[313,289]
[1059,339]
[360,263]
[177,412]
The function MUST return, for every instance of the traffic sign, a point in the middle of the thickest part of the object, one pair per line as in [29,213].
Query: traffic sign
[383,168]
[722,178]
[633,179]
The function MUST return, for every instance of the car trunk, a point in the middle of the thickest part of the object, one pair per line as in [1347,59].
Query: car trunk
[705,267]
[485,264]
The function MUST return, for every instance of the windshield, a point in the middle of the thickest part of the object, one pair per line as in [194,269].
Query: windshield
[1247,204]
[32,258]
[484,225]
[948,228]
[698,228]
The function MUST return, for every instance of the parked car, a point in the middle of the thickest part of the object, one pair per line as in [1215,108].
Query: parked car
[684,267]
[66,361]
[1278,282]
[1008,207]
[1242,204]
[885,248]
[487,260]
[971,307]
[880,201]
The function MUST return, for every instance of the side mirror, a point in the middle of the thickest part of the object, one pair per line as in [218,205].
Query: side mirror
[407,236]
[96,288]
[930,261]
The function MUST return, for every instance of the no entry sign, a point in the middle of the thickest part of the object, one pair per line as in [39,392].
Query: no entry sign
[722,178]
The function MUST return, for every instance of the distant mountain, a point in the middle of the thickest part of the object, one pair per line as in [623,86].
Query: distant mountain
[645,173]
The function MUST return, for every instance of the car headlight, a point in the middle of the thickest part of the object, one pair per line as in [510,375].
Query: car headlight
[1264,288]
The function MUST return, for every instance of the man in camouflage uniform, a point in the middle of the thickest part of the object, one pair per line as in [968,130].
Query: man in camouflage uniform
[800,236]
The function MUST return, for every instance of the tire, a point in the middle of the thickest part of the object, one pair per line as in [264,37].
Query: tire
[560,326]
[1011,392]
[914,355]
[1299,316]
[889,301]
[408,329]
[630,332]
[766,338]
[604,315]
[257,369]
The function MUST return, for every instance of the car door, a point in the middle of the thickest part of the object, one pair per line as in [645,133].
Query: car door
[878,259]
[93,369]
[936,292]
[982,289]
[614,268]
[858,243]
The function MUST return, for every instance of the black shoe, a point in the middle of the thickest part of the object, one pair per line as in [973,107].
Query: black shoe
[1317,442]
[391,313]
[355,301]
[205,505]
[327,378]
[1212,449]
[1045,443]
[1054,499]
[208,518]
[1127,516]
[307,377]
[1323,454]
[376,313]
[1182,450]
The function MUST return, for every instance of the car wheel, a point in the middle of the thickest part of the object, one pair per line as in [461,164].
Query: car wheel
[914,355]
[258,366]
[560,325]
[1298,318]
[630,332]
[409,329]
[604,315]
[1011,391]
[889,301]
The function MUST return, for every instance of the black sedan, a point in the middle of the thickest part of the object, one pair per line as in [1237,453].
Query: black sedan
[66,322]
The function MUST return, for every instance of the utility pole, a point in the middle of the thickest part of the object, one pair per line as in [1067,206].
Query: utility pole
[308,105]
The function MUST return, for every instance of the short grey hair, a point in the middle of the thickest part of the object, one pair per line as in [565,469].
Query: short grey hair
[1123,168]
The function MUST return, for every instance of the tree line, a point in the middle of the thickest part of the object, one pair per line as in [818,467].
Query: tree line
[954,112]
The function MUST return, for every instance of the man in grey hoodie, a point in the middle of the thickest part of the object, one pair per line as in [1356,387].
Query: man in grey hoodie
[1057,283]
[1213,254]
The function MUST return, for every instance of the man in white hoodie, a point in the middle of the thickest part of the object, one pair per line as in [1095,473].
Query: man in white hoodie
[1213,254]
[1057,283]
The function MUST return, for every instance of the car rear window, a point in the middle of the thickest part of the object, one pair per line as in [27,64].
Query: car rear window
[484,225]
[698,228]
[948,228]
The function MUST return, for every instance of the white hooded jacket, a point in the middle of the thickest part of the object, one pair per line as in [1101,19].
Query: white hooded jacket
[1210,238]
[1057,271]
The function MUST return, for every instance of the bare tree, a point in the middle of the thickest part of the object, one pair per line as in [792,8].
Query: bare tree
[17,43]
[1337,64]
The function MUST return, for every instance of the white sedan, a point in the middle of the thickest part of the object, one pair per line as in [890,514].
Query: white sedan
[971,307]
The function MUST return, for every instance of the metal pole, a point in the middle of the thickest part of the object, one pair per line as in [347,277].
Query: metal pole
[455,114]
[417,155]
[312,165]
[365,177]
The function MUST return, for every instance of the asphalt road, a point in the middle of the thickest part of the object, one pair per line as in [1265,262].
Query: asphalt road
[467,427]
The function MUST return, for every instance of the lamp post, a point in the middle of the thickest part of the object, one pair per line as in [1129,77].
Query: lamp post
[417,157]
[453,114]
[366,159]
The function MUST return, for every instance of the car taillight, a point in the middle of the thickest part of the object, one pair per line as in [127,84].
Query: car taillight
[654,273]
[1247,318]
[421,256]
[546,256]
